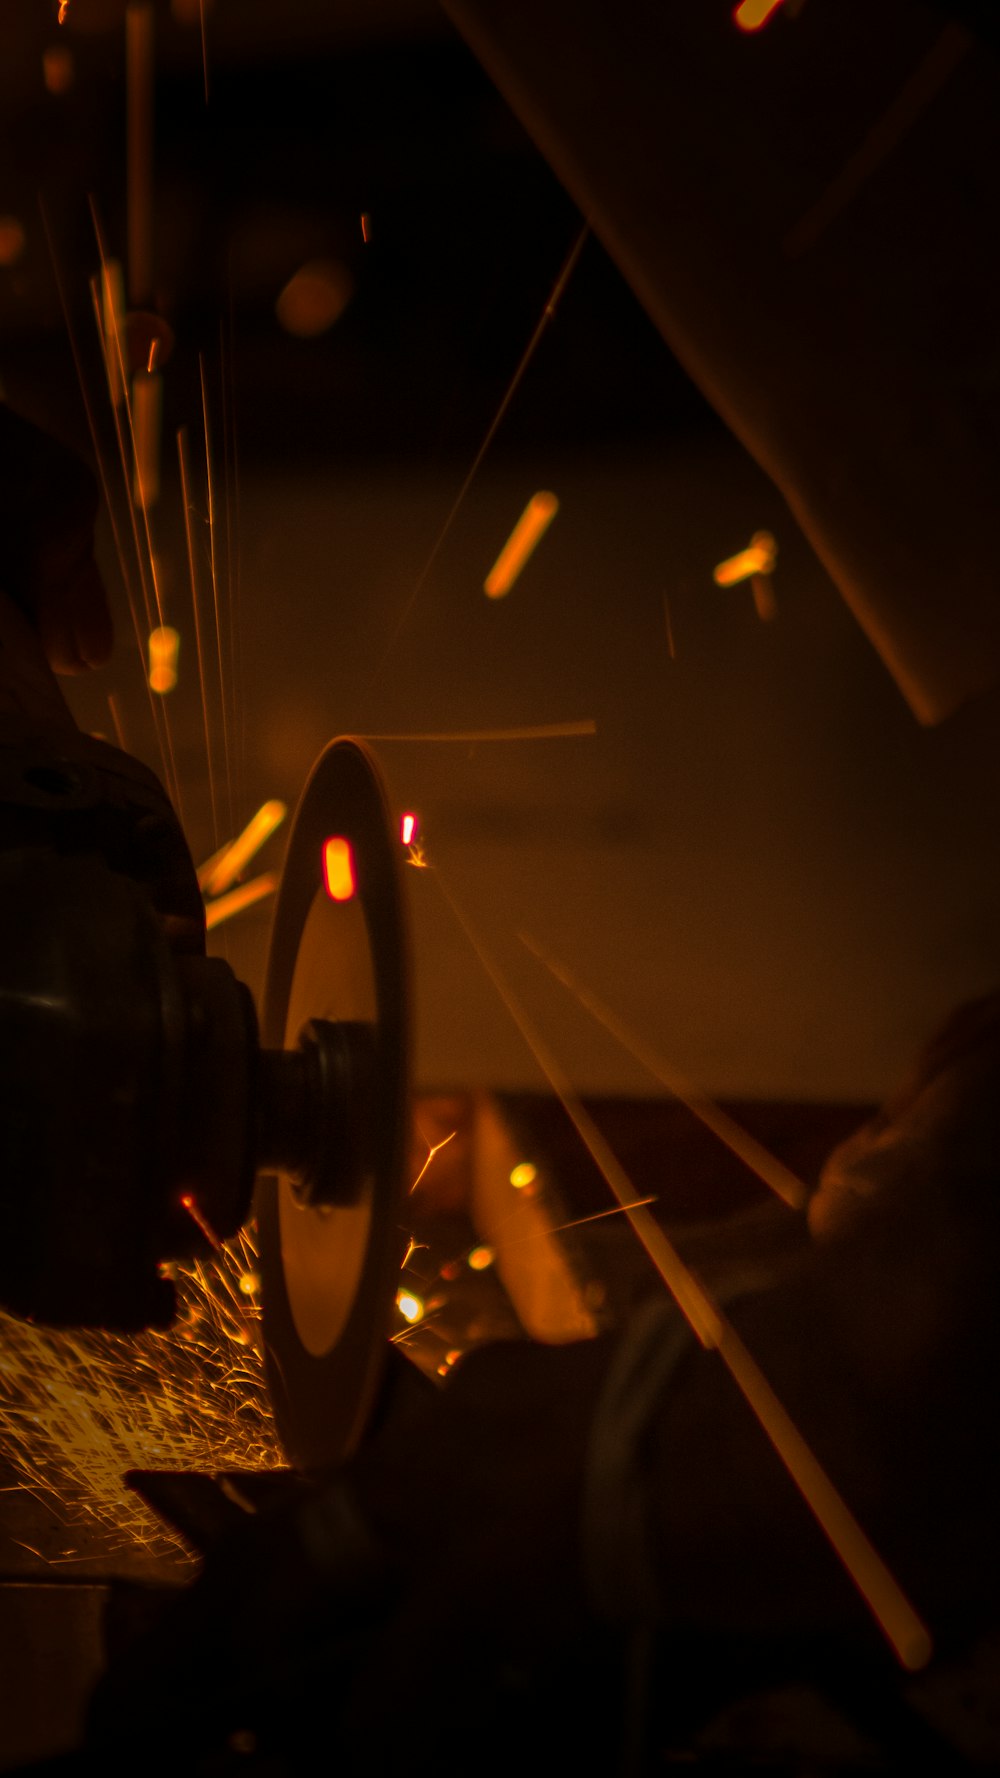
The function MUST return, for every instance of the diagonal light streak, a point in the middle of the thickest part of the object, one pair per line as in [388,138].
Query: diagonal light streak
[774,1174]
[886,1601]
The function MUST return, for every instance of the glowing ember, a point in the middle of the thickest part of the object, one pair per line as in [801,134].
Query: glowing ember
[164,646]
[315,298]
[233,860]
[244,897]
[523,1174]
[366,226]
[523,540]
[480,1258]
[758,559]
[12,240]
[338,869]
[80,1408]
[751,14]
[408,829]
[409,1306]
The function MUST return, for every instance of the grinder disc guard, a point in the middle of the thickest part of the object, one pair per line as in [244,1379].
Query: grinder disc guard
[330,1270]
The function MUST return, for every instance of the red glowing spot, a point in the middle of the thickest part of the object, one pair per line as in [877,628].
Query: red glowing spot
[338,869]
[408,829]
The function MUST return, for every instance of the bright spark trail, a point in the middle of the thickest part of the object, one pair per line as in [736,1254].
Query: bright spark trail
[80,1408]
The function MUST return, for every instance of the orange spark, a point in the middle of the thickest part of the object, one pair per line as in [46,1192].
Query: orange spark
[338,869]
[523,1174]
[751,14]
[481,1258]
[407,829]
[366,226]
[190,1204]
[232,860]
[164,644]
[63,10]
[523,540]
[416,857]
[434,1149]
[410,1307]
[225,906]
[758,559]
[147,410]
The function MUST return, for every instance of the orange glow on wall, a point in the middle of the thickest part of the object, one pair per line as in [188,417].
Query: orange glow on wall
[523,540]
[338,869]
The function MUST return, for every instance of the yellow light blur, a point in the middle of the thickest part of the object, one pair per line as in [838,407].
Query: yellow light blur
[244,897]
[57,68]
[481,1257]
[236,857]
[250,1283]
[315,298]
[523,1174]
[525,537]
[409,1306]
[751,14]
[758,559]
[12,240]
[164,644]
[338,869]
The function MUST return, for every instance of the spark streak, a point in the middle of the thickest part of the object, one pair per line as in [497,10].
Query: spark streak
[237,899]
[230,862]
[182,458]
[433,1149]
[885,1599]
[521,544]
[774,1174]
[548,314]
[758,559]
[79,1408]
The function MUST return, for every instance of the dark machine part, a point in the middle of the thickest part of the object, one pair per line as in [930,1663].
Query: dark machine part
[330,1257]
[135,1100]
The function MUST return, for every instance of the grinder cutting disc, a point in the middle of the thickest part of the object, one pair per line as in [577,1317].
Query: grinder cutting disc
[330,1271]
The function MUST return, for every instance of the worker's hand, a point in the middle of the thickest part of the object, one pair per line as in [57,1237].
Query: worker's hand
[48,506]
